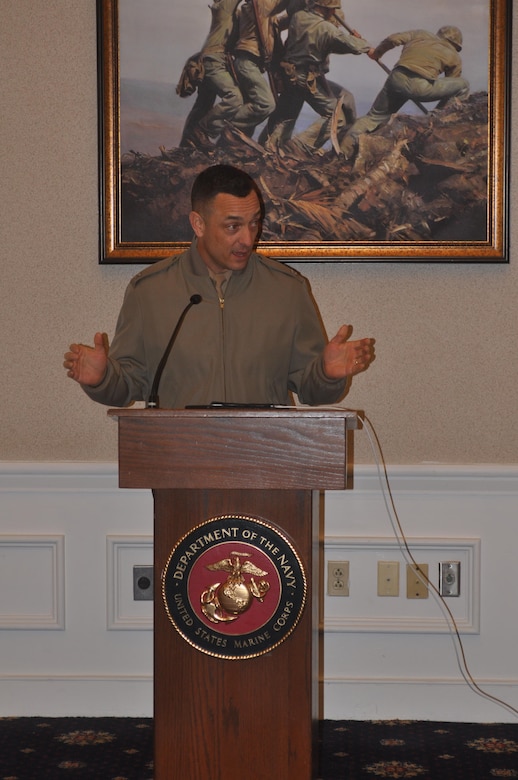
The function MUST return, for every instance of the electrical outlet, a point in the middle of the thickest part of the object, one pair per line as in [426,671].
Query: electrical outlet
[449,578]
[338,578]
[143,583]
[388,578]
[416,588]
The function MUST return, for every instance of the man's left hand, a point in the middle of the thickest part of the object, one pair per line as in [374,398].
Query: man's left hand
[343,358]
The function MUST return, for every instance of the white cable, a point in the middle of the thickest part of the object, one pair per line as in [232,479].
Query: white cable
[407,555]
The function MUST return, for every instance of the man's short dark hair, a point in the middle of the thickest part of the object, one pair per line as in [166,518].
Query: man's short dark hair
[221,179]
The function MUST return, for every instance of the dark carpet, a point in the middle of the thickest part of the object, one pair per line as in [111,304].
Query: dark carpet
[122,749]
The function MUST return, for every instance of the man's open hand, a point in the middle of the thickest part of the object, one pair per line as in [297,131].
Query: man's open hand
[343,358]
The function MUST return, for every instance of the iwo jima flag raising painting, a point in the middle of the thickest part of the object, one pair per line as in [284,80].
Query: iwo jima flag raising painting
[376,132]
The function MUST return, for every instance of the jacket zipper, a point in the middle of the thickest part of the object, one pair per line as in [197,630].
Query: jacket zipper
[222,318]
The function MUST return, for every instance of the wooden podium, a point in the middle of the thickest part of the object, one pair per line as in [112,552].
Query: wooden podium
[216,717]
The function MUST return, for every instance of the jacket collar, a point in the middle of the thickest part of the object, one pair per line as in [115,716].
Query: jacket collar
[198,268]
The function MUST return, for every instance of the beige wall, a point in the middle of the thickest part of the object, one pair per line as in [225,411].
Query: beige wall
[444,385]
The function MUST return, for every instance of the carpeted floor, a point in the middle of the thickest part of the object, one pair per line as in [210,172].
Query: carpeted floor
[122,749]
[422,749]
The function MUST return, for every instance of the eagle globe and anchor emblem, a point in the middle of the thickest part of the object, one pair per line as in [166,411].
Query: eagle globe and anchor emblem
[225,602]
[252,609]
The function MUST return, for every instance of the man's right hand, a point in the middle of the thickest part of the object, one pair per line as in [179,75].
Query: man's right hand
[87,365]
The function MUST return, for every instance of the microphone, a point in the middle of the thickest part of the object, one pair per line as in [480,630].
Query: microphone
[153,396]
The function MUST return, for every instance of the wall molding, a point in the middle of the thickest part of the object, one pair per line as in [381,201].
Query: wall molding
[448,699]
[65,476]
[122,553]
[358,698]
[486,477]
[43,557]
[82,695]
[443,478]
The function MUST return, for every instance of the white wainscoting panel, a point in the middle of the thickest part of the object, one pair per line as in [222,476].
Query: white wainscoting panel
[32,582]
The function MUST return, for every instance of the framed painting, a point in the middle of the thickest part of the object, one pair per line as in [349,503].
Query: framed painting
[359,159]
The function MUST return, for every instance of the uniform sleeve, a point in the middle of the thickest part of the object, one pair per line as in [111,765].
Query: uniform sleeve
[391,41]
[126,378]
[317,388]
[344,43]
[307,378]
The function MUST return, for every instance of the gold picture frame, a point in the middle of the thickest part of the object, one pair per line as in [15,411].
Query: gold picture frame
[448,203]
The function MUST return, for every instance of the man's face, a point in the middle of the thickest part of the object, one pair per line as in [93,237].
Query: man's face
[227,231]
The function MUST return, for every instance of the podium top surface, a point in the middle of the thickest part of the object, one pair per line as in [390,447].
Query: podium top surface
[332,412]
[232,448]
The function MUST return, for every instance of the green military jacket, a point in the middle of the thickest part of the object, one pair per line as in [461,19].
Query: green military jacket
[263,343]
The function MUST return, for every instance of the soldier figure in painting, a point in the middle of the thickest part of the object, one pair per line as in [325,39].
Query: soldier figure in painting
[254,53]
[313,35]
[207,117]
[416,76]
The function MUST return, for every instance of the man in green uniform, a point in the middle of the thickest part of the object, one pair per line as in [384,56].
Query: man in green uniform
[416,76]
[255,337]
